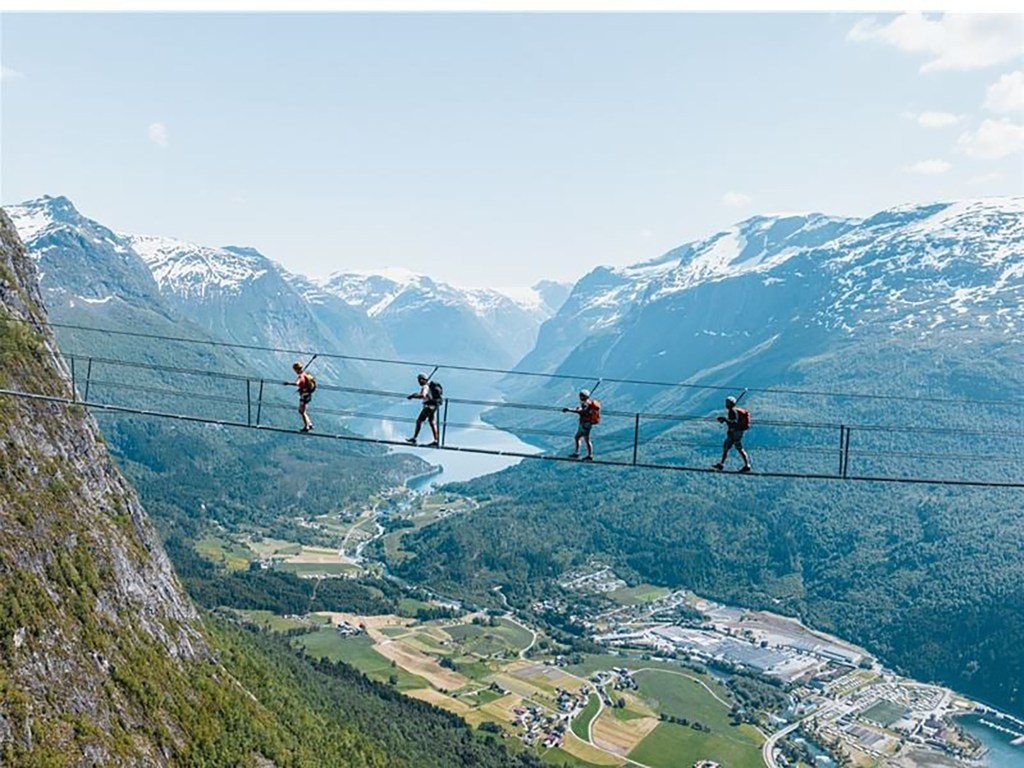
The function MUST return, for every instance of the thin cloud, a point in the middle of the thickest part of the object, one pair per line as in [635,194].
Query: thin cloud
[953,41]
[735,199]
[6,73]
[985,178]
[993,139]
[1006,94]
[929,167]
[158,134]
[934,119]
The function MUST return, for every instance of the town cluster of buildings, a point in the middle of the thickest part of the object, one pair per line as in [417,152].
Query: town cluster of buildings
[618,679]
[347,629]
[572,702]
[548,730]
[594,579]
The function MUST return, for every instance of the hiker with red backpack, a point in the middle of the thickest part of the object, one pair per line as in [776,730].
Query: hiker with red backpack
[589,412]
[432,395]
[737,421]
[307,386]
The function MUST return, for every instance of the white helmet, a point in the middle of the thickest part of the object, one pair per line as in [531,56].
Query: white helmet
[584,393]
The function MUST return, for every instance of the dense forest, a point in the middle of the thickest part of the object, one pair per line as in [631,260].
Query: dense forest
[929,578]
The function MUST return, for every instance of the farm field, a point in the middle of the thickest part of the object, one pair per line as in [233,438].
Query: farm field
[360,653]
[591,664]
[581,723]
[884,712]
[272,547]
[642,593]
[558,756]
[233,556]
[681,696]
[277,623]
[409,651]
[586,754]
[671,745]
[305,568]
[484,640]
[620,736]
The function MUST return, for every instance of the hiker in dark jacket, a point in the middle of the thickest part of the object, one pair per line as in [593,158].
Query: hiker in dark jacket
[430,393]
[737,420]
[306,385]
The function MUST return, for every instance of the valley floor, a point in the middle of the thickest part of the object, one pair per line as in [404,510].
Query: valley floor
[679,678]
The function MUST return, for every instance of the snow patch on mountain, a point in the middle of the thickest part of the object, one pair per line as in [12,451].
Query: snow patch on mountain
[926,268]
[29,221]
[378,293]
[529,299]
[36,219]
[923,267]
[195,271]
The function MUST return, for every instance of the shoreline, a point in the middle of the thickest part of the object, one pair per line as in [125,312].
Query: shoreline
[435,469]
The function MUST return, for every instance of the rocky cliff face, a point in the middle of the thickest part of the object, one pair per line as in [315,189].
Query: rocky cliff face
[95,631]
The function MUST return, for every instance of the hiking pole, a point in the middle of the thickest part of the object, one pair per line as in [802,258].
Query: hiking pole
[741,395]
[314,357]
[593,389]
[432,373]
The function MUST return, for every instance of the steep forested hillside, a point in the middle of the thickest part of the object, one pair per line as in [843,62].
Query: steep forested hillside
[105,661]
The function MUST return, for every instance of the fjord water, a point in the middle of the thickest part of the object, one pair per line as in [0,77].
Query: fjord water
[1001,753]
[465,430]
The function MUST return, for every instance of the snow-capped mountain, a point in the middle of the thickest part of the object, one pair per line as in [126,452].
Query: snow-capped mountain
[426,318]
[239,295]
[783,298]
[82,263]
[929,269]
[195,272]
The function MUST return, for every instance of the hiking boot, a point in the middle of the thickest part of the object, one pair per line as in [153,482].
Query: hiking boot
[411,440]
[306,428]
[718,466]
[432,445]
[745,469]
[587,458]
[573,456]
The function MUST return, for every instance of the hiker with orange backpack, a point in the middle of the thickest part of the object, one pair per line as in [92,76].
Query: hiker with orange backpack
[306,385]
[737,421]
[589,412]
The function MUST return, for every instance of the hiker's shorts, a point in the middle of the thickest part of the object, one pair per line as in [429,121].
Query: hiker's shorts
[584,430]
[733,439]
[305,397]
[427,414]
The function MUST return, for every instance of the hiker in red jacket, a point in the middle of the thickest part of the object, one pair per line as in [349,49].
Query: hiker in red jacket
[306,384]
[590,414]
[738,421]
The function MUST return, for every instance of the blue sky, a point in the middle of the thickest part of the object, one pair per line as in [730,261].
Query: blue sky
[500,149]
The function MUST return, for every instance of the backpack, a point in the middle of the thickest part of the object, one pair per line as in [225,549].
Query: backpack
[310,384]
[742,418]
[436,393]
[593,413]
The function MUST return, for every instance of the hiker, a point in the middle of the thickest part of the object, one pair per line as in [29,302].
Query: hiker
[306,385]
[590,414]
[431,393]
[738,422]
